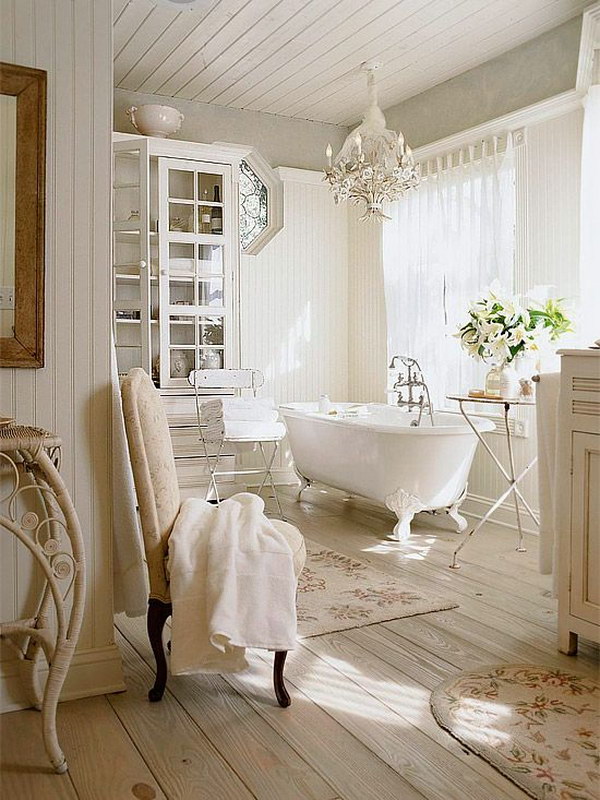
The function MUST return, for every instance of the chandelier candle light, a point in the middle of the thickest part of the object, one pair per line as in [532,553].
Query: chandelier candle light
[374,164]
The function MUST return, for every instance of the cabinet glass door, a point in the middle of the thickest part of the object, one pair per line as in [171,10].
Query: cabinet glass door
[194,283]
[134,302]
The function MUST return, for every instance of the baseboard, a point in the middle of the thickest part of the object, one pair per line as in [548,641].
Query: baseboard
[92,672]
[476,506]
[283,476]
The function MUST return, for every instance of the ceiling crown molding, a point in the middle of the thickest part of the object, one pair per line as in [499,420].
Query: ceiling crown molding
[589,42]
[530,115]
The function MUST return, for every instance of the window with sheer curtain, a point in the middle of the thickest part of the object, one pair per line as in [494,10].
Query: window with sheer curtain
[446,243]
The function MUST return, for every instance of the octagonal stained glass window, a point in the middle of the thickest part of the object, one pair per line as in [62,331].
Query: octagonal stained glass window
[254,210]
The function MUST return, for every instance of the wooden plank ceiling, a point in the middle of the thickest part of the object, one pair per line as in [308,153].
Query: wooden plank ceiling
[300,58]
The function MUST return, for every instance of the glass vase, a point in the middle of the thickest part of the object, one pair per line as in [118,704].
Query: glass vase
[509,382]
[492,381]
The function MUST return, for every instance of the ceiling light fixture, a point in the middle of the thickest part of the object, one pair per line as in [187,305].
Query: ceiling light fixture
[374,164]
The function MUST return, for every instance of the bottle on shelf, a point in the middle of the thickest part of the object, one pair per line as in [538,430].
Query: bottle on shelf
[216,214]
[205,226]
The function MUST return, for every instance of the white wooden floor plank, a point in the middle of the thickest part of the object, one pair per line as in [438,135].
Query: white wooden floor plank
[265,762]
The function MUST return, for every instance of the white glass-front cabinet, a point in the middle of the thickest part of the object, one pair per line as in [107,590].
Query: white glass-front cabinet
[135,275]
[195,283]
[175,260]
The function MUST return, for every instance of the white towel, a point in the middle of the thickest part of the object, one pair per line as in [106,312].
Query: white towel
[547,395]
[211,418]
[232,585]
[130,589]
[252,409]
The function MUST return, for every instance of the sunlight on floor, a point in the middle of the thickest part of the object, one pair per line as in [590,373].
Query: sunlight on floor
[475,718]
[416,551]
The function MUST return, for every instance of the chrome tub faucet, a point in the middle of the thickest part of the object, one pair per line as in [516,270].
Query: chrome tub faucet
[412,391]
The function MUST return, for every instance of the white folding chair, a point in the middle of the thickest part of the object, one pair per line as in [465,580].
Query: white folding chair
[215,432]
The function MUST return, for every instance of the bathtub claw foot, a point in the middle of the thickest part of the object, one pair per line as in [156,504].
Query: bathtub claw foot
[454,514]
[304,484]
[405,506]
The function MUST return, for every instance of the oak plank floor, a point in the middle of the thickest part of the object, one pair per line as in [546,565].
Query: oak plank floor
[359,727]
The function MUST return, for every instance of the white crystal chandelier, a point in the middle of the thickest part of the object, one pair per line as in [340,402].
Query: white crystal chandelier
[374,164]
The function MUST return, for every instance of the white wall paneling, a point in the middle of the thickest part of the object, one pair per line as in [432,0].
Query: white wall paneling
[294,299]
[70,395]
[367,331]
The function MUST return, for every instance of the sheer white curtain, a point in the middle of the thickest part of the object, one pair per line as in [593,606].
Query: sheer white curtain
[589,325]
[446,243]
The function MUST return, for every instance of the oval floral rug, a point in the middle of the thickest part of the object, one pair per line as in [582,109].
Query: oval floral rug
[537,725]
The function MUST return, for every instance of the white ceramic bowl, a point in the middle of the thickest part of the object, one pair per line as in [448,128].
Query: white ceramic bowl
[155,120]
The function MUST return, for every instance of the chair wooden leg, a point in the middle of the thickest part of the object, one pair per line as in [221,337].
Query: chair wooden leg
[281,693]
[158,613]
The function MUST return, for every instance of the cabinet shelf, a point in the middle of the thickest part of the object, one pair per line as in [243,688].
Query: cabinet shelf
[120,320]
[134,229]
[187,202]
[126,276]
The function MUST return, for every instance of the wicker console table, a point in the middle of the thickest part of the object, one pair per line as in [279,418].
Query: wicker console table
[29,464]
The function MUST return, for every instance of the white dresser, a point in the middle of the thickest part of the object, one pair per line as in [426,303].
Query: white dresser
[578,507]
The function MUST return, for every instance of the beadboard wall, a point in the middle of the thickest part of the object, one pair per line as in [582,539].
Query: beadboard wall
[367,331]
[294,300]
[72,41]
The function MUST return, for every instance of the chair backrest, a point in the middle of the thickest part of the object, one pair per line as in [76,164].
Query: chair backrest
[153,465]
[226,379]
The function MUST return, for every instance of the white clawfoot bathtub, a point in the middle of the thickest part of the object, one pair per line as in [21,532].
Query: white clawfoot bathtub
[381,457]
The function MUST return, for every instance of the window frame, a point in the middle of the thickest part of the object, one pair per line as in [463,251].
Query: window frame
[274,187]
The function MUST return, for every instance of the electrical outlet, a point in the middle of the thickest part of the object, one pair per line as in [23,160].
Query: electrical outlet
[7,298]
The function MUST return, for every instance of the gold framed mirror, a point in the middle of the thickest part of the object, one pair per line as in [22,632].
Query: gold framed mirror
[22,215]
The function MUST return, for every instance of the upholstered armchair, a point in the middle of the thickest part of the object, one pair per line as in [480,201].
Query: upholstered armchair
[159,500]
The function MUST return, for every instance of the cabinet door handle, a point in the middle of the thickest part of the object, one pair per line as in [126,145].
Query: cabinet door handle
[143,265]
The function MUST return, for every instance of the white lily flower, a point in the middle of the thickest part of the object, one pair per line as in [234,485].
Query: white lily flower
[499,348]
[517,335]
[490,330]
[473,348]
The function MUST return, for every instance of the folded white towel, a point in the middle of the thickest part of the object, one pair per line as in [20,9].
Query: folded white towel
[232,585]
[250,409]
[211,418]
[239,409]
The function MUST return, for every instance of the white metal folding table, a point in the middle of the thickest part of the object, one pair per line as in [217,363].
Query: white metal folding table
[508,472]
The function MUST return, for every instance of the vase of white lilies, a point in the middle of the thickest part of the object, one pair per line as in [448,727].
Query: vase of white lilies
[501,329]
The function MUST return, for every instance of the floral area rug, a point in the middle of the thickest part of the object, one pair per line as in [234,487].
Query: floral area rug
[537,725]
[336,593]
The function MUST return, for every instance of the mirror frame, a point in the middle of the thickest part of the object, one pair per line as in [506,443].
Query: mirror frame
[26,347]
